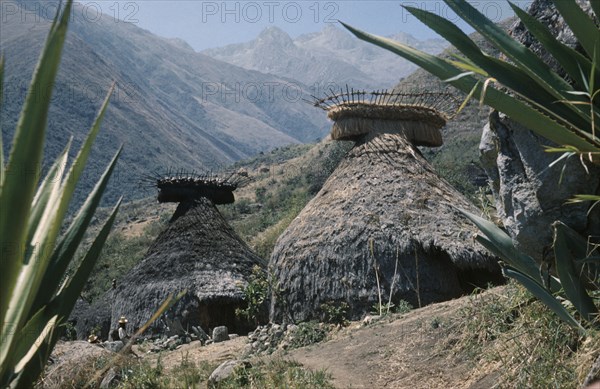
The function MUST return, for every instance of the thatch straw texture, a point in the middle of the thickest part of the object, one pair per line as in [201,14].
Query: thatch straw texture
[386,193]
[199,252]
[420,125]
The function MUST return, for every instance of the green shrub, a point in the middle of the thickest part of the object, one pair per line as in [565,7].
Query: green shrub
[275,374]
[308,333]
[256,295]
[335,312]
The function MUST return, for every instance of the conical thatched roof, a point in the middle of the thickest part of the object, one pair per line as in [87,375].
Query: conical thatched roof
[383,202]
[199,252]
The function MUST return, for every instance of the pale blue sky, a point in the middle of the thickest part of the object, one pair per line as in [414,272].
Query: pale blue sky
[205,24]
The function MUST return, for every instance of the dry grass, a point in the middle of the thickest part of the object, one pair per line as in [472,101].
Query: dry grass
[521,342]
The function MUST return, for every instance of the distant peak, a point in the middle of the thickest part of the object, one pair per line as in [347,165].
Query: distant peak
[275,34]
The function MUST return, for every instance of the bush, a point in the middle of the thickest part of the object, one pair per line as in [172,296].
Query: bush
[308,333]
[256,296]
[335,312]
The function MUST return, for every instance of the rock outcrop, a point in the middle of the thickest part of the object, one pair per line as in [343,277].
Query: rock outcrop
[531,195]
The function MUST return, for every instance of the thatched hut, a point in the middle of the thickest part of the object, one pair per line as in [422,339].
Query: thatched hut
[198,252]
[384,222]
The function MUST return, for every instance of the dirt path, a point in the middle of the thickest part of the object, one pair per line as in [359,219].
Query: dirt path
[404,351]
[398,354]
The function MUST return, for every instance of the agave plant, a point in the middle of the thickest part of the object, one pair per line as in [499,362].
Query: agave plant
[530,92]
[37,294]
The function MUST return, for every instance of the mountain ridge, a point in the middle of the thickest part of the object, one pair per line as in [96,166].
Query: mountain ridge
[172,106]
[330,56]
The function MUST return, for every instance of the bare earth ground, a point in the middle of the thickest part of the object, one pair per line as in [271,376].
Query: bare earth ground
[404,351]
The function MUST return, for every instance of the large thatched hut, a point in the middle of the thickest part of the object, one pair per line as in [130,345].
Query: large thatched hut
[198,252]
[384,222]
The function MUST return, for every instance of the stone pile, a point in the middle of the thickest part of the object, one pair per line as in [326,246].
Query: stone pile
[166,342]
[270,338]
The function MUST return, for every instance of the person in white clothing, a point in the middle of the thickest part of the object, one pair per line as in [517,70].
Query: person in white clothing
[122,329]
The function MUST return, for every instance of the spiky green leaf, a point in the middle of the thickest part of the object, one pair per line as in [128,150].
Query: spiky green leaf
[542,294]
[518,53]
[507,74]
[66,248]
[503,102]
[577,66]
[566,251]
[20,178]
[584,28]
[505,247]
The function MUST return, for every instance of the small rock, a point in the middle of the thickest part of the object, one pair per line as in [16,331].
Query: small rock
[220,334]
[233,336]
[115,346]
[110,379]
[292,327]
[200,333]
[247,351]
[371,319]
[224,371]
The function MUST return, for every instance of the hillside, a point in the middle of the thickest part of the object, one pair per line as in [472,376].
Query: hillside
[172,107]
[329,57]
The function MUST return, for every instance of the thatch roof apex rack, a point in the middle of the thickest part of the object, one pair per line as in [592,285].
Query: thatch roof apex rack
[179,185]
[419,116]
[443,102]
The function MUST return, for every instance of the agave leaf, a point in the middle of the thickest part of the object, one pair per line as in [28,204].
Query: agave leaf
[571,60]
[72,289]
[66,248]
[26,155]
[35,261]
[506,250]
[584,28]
[32,335]
[50,283]
[582,197]
[566,251]
[58,307]
[511,76]
[503,102]
[542,294]
[81,160]
[40,201]
[32,364]
[519,54]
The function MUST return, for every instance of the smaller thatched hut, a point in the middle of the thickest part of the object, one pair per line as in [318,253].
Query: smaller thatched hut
[384,223]
[198,252]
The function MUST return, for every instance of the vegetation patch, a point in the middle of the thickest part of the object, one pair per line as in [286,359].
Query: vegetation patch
[521,340]
[308,333]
